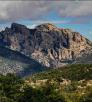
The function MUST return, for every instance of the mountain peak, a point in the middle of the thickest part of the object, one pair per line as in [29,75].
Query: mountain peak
[17,27]
[47,26]
[17,24]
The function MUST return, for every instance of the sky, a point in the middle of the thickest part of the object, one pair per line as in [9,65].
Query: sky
[73,14]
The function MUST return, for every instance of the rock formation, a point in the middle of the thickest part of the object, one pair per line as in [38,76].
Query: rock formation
[47,44]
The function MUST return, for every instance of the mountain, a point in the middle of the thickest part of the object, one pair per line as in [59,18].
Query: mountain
[47,44]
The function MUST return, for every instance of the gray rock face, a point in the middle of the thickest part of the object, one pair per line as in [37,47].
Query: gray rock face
[47,44]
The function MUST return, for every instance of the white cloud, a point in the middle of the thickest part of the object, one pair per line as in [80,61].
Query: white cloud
[90,32]
[35,10]
[31,26]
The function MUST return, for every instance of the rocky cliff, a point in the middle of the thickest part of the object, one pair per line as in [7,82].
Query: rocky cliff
[47,44]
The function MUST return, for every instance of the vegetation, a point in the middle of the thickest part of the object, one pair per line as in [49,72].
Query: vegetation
[72,72]
[69,84]
[13,89]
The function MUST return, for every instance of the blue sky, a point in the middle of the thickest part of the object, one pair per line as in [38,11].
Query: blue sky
[75,15]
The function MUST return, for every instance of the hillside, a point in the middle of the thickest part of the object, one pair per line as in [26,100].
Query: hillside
[15,62]
[71,72]
[85,58]
[72,83]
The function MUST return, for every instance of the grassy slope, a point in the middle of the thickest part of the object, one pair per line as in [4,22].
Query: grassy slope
[72,72]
